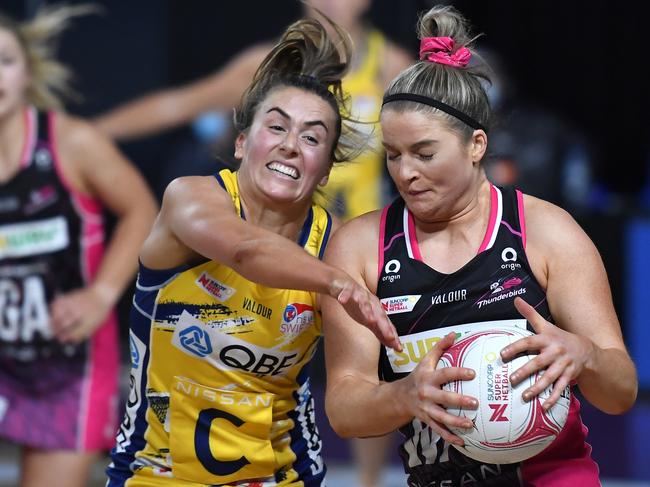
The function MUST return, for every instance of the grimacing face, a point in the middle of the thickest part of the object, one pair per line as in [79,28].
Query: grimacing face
[14,73]
[431,165]
[286,152]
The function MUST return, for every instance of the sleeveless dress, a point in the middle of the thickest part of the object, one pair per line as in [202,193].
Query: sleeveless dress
[52,396]
[220,391]
[425,305]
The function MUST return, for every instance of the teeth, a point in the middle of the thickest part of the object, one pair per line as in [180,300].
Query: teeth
[282,169]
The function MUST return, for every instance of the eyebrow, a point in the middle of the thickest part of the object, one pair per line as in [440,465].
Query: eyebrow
[417,145]
[423,143]
[309,123]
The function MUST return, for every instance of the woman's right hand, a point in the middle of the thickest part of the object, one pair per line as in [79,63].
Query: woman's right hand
[428,401]
[366,309]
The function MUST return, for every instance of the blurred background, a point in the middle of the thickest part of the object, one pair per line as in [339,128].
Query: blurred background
[573,128]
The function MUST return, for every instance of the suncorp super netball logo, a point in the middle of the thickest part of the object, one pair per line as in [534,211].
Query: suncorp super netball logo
[213,287]
[297,317]
[400,304]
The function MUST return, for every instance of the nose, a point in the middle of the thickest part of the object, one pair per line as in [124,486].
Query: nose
[407,171]
[289,145]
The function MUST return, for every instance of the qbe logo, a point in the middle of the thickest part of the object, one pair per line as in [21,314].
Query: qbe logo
[196,341]
[391,270]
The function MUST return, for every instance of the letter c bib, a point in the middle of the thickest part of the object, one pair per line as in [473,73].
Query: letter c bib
[219,436]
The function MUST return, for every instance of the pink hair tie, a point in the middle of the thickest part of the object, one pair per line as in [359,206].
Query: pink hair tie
[439,50]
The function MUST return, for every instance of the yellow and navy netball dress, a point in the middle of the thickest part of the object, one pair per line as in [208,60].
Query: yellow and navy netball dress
[53,396]
[357,187]
[219,381]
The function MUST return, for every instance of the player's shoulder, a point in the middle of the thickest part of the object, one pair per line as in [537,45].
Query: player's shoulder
[539,213]
[192,189]
[363,228]
[552,228]
[75,132]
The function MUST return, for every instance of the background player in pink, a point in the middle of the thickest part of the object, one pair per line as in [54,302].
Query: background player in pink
[58,339]
[452,232]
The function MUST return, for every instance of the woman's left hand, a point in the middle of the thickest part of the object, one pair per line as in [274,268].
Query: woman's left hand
[562,355]
[76,315]
[365,308]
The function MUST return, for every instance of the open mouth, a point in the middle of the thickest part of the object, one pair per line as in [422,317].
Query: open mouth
[283,169]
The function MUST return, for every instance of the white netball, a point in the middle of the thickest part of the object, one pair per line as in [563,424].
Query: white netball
[506,428]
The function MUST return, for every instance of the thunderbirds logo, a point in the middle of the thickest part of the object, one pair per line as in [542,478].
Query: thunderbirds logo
[502,289]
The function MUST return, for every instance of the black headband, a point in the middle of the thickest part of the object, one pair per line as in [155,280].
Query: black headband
[436,104]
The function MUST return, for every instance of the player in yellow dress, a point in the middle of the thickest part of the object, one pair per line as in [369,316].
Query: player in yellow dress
[226,316]
[359,187]
[354,188]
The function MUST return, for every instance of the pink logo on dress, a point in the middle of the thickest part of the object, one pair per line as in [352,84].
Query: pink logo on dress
[498,288]
[41,198]
[509,288]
